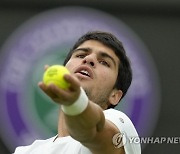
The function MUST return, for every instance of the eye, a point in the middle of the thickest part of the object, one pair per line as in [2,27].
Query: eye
[80,56]
[103,62]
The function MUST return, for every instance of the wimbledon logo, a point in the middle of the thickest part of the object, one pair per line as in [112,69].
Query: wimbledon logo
[26,113]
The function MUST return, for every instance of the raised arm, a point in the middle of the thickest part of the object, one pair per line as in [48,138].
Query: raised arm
[89,126]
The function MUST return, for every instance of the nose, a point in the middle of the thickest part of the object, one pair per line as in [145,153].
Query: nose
[90,60]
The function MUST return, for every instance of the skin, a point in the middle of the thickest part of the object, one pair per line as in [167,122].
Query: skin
[90,127]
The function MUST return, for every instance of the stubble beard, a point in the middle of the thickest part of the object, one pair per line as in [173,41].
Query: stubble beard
[102,99]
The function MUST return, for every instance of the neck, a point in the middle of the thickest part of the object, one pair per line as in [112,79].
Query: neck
[62,129]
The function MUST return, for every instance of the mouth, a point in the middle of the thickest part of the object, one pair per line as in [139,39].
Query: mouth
[84,71]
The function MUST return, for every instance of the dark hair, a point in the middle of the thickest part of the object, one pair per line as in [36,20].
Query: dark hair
[124,77]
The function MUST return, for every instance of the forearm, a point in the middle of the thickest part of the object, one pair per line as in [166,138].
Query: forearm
[85,126]
[83,118]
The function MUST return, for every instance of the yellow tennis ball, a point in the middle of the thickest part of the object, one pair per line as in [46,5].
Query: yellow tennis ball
[55,74]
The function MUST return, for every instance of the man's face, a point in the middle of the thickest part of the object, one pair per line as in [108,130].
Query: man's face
[96,66]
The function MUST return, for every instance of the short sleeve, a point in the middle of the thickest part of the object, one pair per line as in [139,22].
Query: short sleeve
[126,127]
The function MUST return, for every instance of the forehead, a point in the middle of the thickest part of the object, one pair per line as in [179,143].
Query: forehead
[97,46]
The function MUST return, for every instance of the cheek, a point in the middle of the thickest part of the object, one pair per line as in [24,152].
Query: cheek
[70,65]
[106,76]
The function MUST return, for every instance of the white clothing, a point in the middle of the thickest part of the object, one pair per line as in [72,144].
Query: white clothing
[67,145]
[125,126]
[64,145]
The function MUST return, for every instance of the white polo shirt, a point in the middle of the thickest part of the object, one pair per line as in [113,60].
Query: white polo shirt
[67,145]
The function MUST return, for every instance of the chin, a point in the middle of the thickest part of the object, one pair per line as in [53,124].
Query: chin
[84,86]
[87,91]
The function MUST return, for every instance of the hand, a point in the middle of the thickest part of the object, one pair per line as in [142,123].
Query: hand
[61,96]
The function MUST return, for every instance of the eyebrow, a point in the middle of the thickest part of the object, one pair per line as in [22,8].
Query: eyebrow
[102,54]
[83,49]
[105,55]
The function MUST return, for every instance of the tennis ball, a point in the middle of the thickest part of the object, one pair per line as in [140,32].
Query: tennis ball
[55,74]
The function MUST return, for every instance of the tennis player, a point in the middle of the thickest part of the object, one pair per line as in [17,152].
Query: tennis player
[88,123]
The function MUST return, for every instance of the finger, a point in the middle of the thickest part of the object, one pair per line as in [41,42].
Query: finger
[42,85]
[46,67]
[56,90]
[47,89]
[74,82]
[61,93]
[52,90]
[61,96]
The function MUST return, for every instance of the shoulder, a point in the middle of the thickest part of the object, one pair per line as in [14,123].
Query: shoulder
[120,119]
[126,130]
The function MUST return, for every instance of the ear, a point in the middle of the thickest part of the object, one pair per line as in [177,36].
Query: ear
[115,96]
